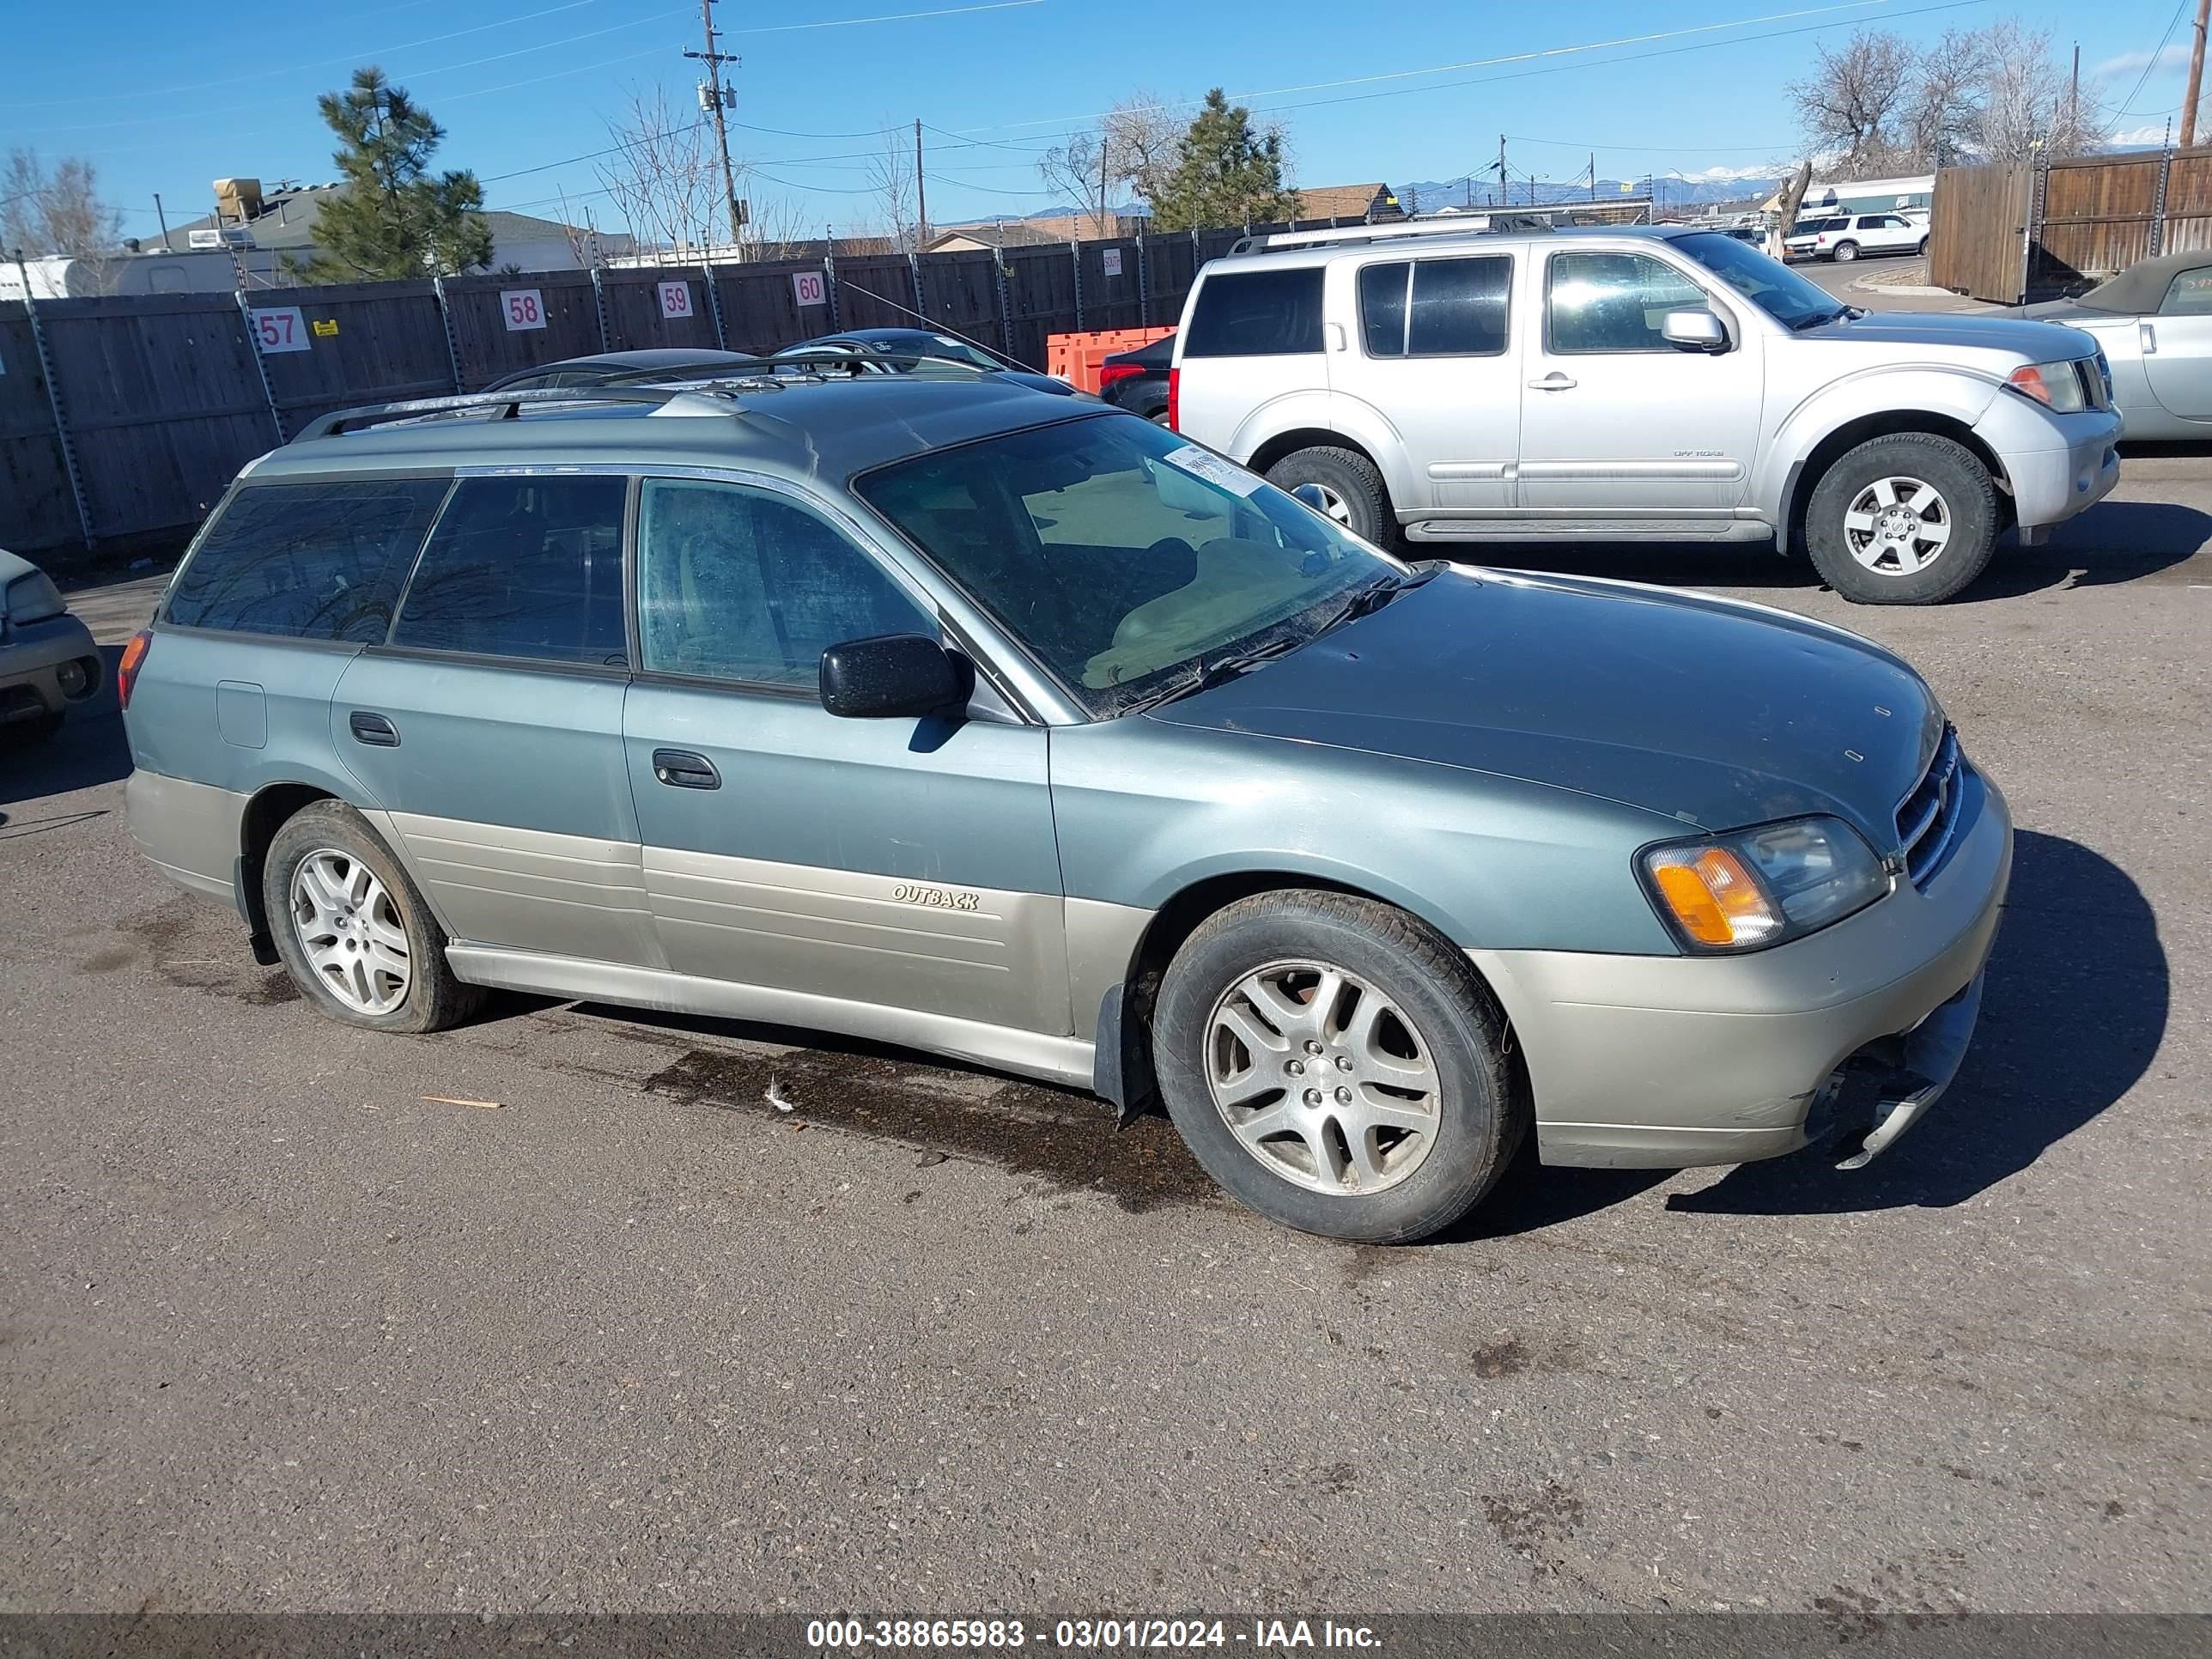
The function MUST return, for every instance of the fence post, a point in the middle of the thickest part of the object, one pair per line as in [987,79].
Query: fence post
[714,304]
[260,363]
[600,307]
[446,323]
[2158,204]
[2039,182]
[1006,305]
[1075,260]
[829,283]
[913,266]
[54,402]
[1144,287]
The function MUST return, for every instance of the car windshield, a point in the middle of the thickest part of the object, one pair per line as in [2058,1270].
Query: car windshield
[1123,557]
[1771,286]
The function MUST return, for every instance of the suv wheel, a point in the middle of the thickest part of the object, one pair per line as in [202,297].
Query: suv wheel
[1336,1066]
[353,931]
[1846,252]
[1922,249]
[1907,518]
[1351,489]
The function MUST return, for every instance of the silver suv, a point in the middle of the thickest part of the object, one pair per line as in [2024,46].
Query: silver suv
[1638,384]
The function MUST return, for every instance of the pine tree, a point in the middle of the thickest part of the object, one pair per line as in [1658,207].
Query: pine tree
[394,219]
[1226,174]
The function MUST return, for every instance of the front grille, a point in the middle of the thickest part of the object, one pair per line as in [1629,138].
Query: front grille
[1929,815]
[2096,379]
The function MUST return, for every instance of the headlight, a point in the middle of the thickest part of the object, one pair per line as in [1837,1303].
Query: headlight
[2056,386]
[33,599]
[1762,886]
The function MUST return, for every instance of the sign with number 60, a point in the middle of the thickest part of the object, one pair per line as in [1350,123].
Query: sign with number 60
[281,328]
[523,307]
[808,288]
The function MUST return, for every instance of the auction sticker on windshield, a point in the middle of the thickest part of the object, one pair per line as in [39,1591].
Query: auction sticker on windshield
[1205,463]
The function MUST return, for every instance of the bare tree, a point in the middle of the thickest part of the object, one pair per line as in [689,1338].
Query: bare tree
[1084,168]
[664,176]
[2028,105]
[1850,106]
[1143,135]
[774,229]
[892,184]
[57,209]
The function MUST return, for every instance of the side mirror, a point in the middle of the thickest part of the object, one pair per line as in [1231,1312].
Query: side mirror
[1693,328]
[891,677]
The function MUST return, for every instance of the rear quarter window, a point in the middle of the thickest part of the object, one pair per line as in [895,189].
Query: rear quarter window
[306,561]
[1256,313]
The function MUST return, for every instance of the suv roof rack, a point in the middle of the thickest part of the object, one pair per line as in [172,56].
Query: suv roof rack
[513,402]
[1469,224]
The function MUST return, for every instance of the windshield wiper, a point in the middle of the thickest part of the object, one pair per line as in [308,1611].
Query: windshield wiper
[1841,313]
[1204,676]
[1378,593]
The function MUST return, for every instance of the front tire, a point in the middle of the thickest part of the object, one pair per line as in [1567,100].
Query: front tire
[353,931]
[1336,1066]
[1352,486]
[1909,518]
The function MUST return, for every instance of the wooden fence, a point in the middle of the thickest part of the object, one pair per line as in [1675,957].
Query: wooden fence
[122,419]
[2013,232]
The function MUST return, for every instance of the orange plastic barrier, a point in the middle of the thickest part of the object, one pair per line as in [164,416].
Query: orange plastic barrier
[1076,358]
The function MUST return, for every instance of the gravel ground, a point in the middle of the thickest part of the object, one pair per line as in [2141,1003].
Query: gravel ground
[278,1332]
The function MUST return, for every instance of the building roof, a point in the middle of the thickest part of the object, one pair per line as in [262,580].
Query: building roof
[1345,201]
[1014,233]
[287,222]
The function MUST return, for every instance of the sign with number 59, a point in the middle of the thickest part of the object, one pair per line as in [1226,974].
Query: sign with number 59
[523,307]
[808,288]
[675,300]
[281,328]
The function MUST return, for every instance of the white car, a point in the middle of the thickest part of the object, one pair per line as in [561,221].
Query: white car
[1844,237]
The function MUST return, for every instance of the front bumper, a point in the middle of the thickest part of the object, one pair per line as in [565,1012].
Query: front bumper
[2070,463]
[1667,1063]
[34,657]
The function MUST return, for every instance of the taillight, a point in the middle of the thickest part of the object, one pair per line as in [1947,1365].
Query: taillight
[1114,373]
[134,658]
[1174,399]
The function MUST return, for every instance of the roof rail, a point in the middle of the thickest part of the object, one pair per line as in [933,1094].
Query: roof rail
[512,403]
[1467,224]
[754,367]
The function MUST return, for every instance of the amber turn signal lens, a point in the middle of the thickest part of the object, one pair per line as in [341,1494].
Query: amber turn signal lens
[126,671]
[1714,899]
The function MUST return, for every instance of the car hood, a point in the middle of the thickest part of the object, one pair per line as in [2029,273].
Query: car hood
[13,565]
[1710,713]
[2031,341]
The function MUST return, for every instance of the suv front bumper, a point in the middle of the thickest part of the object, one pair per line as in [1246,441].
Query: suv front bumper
[2056,464]
[34,657]
[1668,1062]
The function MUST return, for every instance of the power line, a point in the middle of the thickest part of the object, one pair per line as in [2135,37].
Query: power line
[2151,63]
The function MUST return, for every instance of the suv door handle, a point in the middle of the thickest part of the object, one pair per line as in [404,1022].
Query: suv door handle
[1554,381]
[679,768]
[373,729]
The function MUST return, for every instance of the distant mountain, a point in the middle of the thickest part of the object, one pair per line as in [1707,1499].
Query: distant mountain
[1721,185]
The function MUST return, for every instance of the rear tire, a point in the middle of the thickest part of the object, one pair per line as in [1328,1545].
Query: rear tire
[1846,252]
[1922,249]
[353,930]
[1336,1066]
[1872,525]
[1359,499]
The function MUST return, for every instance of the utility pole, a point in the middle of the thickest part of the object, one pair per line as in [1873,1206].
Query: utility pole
[2196,77]
[1593,175]
[164,218]
[715,96]
[2073,93]
[920,194]
[1501,169]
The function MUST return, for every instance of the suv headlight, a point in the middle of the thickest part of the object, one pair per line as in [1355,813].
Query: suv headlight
[2056,386]
[33,598]
[1759,887]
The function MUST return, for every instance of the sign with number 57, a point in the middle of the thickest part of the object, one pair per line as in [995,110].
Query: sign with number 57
[523,307]
[808,288]
[281,328]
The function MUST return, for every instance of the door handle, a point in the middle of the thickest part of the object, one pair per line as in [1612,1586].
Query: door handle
[2147,338]
[373,729]
[679,768]
[1554,381]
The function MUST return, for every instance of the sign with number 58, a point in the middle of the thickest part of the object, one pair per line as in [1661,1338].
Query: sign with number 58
[281,328]
[523,307]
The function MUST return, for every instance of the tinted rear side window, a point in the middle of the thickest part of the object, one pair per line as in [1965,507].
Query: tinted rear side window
[1382,308]
[307,561]
[525,567]
[1256,313]
[1459,307]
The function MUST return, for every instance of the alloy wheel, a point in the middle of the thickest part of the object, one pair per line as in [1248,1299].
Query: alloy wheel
[1898,526]
[1323,1078]
[350,931]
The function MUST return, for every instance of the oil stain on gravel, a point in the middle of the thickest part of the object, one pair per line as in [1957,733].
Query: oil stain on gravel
[1066,1141]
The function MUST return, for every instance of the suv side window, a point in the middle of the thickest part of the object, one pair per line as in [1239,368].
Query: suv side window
[740,584]
[529,565]
[1456,308]
[1256,313]
[307,561]
[1604,302]
[1873,221]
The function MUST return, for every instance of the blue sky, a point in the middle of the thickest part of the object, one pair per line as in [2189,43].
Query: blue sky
[1418,89]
